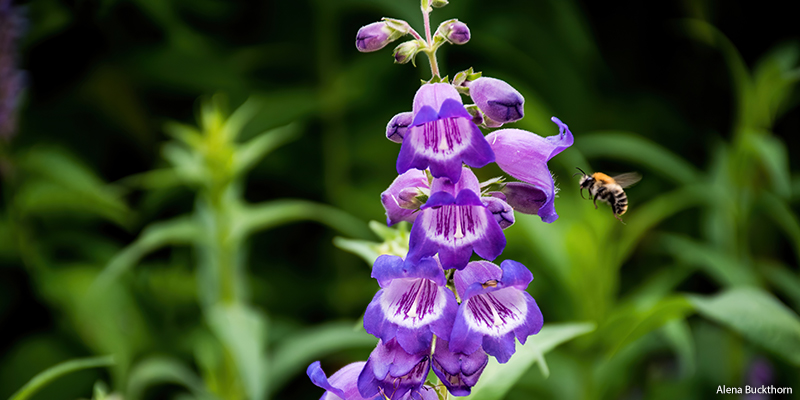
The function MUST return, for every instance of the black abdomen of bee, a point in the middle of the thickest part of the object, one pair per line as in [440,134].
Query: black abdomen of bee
[620,204]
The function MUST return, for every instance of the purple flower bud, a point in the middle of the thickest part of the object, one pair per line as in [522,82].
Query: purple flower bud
[414,180]
[394,372]
[498,100]
[398,125]
[458,33]
[374,36]
[406,51]
[503,213]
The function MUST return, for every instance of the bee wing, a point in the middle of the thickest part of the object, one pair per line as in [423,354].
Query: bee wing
[628,179]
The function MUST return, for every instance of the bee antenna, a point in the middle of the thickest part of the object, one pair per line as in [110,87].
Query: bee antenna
[579,172]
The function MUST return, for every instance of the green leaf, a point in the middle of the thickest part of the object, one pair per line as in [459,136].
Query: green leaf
[679,336]
[45,377]
[252,218]
[497,379]
[363,248]
[60,183]
[783,216]
[756,315]
[178,231]
[160,370]
[645,217]
[783,279]
[243,332]
[638,150]
[254,150]
[723,267]
[774,157]
[634,321]
[294,353]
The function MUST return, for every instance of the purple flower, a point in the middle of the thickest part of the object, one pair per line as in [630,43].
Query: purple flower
[374,36]
[400,197]
[393,372]
[494,309]
[412,305]
[454,222]
[398,126]
[458,371]
[524,156]
[11,79]
[500,102]
[442,135]
[342,385]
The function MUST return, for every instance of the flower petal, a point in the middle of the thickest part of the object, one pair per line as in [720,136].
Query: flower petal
[459,372]
[342,385]
[524,198]
[393,371]
[390,198]
[524,156]
[434,95]
[454,231]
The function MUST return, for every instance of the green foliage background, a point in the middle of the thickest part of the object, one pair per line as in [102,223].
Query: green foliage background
[182,168]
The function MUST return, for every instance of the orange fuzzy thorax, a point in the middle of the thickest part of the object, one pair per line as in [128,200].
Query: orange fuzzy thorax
[603,178]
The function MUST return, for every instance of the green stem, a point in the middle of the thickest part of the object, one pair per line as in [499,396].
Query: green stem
[431,51]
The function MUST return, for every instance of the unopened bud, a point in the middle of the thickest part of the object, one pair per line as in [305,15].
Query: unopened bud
[454,31]
[377,35]
[498,100]
[411,198]
[406,51]
[439,3]
[398,126]
[475,112]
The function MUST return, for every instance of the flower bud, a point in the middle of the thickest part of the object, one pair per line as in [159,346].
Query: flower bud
[439,3]
[398,126]
[499,101]
[406,51]
[377,35]
[454,31]
[412,198]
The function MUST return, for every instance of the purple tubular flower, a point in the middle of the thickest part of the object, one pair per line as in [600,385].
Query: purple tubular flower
[412,305]
[442,135]
[398,126]
[396,196]
[458,371]
[342,385]
[454,222]
[498,100]
[503,213]
[524,156]
[373,37]
[494,309]
[393,372]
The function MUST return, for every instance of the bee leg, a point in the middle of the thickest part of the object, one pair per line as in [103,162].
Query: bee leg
[619,219]
[595,202]
[582,194]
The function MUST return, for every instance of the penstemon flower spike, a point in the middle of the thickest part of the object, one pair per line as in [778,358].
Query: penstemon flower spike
[435,309]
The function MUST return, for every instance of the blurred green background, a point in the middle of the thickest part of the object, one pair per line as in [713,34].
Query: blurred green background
[146,215]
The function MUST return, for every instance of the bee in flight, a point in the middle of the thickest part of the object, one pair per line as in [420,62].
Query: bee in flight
[608,189]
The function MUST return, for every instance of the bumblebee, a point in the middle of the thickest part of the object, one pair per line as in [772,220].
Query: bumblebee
[608,189]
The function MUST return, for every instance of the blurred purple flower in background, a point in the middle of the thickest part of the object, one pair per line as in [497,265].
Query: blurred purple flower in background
[11,78]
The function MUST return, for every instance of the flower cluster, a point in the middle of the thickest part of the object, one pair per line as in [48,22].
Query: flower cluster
[436,309]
